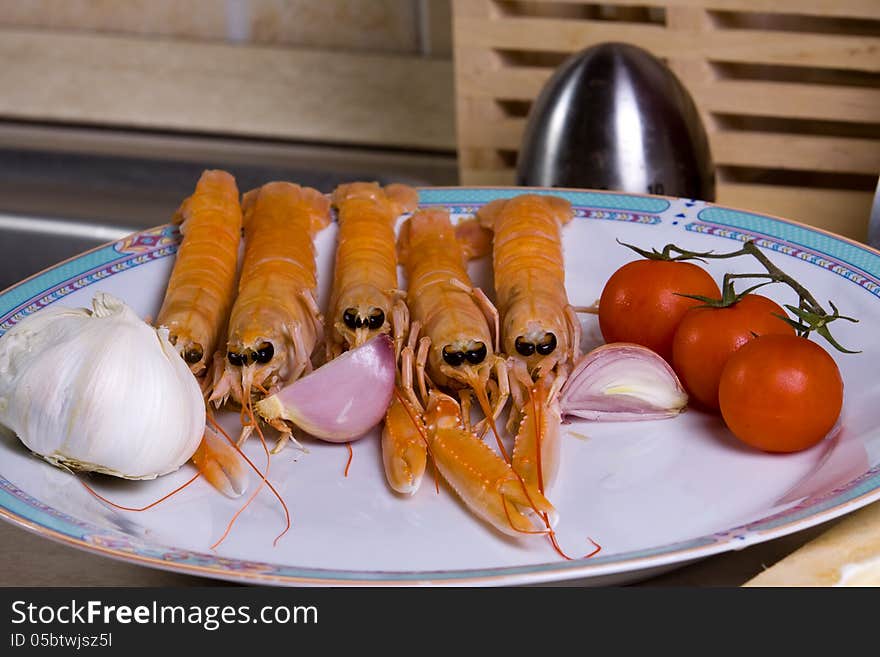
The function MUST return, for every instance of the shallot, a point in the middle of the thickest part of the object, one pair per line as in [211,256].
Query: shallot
[622,382]
[343,399]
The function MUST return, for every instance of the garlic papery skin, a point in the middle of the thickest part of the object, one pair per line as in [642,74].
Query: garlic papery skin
[622,382]
[100,391]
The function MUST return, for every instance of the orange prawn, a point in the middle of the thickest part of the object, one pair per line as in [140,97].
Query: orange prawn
[458,323]
[275,323]
[202,284]
[540,331]
[457,352]
[197,302]
[365,300]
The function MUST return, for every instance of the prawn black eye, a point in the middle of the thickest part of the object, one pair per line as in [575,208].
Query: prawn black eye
[524,348]
[547,345]
[236,359]
[350,318]
[265,352]
[454,358]
[194,354]
[477,355]
[376,319]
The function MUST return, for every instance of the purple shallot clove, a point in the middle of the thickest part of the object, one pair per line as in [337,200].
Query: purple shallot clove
[341,400]
[622,382]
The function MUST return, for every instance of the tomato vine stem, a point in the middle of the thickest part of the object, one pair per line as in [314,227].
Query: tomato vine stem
[810,314]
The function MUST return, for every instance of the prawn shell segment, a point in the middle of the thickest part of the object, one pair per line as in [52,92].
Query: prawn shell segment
[202,284]
[432,259]
[529,274]
[278,276]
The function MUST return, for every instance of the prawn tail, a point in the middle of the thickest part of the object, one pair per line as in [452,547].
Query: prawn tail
[489,213]
[475,240]
[403,198]
[319,207]
[249,200]
[316,203]
[404,243]
[560,208]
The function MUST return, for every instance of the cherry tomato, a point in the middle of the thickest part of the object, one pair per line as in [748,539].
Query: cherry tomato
[706,338]
[640,301]
[780,393]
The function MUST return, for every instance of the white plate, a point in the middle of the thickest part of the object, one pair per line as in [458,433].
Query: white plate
[653,494]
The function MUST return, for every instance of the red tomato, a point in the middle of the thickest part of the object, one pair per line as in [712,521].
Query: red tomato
[706,338]
[640,302]
[780,393]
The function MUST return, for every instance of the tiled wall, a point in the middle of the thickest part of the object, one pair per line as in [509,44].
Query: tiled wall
[418,27]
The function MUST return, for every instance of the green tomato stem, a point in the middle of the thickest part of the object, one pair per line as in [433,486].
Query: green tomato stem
[809,313]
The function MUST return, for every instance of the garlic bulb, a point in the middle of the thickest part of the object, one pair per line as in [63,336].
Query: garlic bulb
[99,390]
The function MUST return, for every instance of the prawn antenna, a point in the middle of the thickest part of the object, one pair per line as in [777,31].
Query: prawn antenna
[143,508]
[264,480]
[486,407]
[350,457]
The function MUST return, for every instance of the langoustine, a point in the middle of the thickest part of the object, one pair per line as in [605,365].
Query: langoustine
[457,349]
[202,284]
[457,352]
[540,331]
[197,300]
[366,301]
[275,324]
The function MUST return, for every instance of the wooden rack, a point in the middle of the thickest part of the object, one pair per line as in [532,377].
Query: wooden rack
[789,90]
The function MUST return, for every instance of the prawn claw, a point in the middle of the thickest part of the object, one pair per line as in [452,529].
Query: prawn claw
[486,483]
[221,465]
[404,451]
[536,447]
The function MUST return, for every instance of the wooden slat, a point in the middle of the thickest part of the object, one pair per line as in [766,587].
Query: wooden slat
[840,211]
[230,89]
[755,98]
[794,151]
[738,148]
[789,99]
[521,83]
[850,52]
[746,46]
[503,133]
[472,110]
[548,34]
[869,9]
[837,8]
